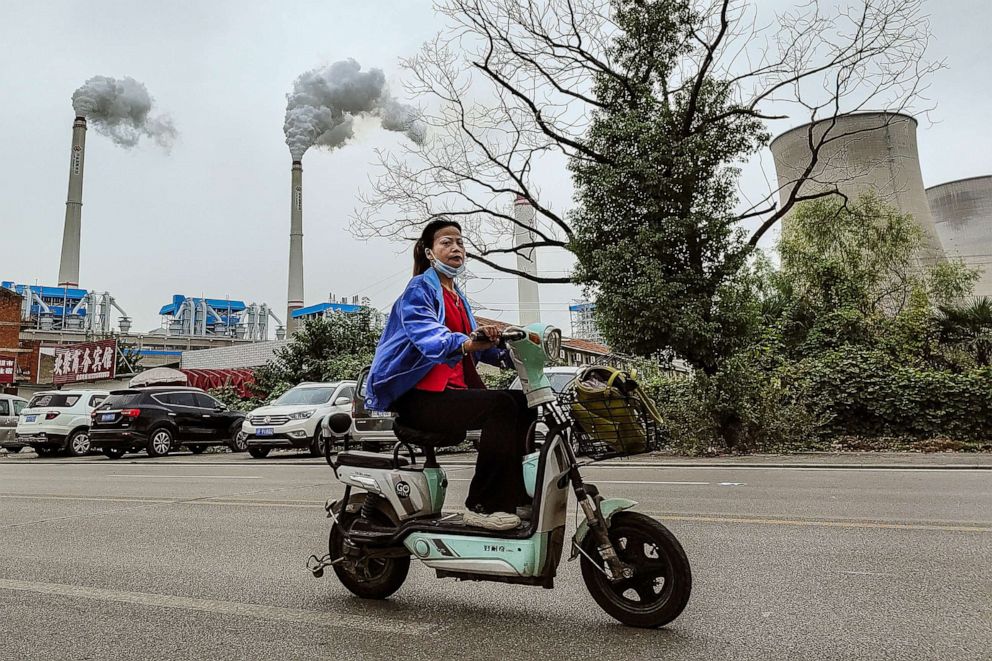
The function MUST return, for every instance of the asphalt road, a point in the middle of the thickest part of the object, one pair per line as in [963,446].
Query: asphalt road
[203,558]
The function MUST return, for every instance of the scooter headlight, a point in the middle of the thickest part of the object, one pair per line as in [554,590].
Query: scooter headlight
[552,343]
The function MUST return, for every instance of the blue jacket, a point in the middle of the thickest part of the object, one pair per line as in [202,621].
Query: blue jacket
[415,340]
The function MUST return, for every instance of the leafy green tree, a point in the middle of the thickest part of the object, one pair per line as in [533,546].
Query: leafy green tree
[656,232]
[850,275]
[328,349]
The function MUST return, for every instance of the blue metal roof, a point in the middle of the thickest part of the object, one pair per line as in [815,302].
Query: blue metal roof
[218,304]
[46,292]
[321,307]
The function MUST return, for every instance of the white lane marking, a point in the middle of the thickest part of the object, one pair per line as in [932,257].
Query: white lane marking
[833,469]
[186,477]
[649,482]
[466,479]
[254,611]
[733,484]
[866,573]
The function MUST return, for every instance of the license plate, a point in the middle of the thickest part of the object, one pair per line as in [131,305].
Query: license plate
[106,417]
[30,418]
[380,414]
[264,431]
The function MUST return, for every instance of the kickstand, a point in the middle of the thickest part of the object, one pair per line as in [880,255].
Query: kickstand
[317,565]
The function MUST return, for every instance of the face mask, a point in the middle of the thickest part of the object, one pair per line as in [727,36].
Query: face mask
[445,270]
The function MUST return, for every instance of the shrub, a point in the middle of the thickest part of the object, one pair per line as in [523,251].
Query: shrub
[867,393]
[740,409]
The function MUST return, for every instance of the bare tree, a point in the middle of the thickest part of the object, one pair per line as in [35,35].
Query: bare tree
[507,88]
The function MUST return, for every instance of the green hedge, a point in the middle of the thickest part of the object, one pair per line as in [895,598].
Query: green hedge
[865,393]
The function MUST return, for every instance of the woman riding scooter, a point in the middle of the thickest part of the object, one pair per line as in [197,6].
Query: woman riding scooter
[424,370]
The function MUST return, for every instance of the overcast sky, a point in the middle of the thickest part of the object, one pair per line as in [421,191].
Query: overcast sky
[212,217]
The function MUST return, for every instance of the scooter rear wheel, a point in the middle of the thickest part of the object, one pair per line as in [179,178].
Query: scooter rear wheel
[659,589]
[375,578]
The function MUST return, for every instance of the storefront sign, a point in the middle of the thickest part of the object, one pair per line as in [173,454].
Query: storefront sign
[92,361]
[7,369]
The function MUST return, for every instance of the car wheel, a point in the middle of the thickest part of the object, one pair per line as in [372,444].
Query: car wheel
[259,453]
[14,450]
[113,453]
[197,449]
[317,444]
[78,444]
[159,442]
[239,442]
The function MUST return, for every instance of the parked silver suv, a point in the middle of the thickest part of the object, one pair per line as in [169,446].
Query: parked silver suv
[10,407]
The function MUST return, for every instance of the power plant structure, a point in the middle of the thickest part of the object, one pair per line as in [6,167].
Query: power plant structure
[68,309]
[861,152]
[294,296]
[582,318]
[218,317]
[528,295]
[962,211]
[333,306]
[69,265]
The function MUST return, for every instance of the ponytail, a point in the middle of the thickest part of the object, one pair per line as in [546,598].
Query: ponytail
[420,261]
[426,241]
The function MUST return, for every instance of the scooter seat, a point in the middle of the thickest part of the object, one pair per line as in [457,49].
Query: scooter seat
[425,438]
[360,459]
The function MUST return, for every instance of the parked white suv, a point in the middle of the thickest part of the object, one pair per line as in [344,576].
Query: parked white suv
[59,420]
[294,420]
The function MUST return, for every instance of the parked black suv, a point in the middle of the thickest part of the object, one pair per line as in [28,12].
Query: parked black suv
[160,419]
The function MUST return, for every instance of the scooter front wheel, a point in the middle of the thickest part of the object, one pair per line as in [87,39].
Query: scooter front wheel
[369,578]
[659,589]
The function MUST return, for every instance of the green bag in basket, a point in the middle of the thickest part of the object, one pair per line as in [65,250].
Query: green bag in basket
[608,405]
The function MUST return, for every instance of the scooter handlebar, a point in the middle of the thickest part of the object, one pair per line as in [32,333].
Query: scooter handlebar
[508,335]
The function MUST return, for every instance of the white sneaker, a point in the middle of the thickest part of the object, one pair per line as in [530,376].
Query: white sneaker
[494,521]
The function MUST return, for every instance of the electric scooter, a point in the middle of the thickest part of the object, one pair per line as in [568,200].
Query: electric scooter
[392,509]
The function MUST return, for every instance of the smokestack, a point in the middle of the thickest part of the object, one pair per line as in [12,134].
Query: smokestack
[295,292]
[528,297]
[69,265]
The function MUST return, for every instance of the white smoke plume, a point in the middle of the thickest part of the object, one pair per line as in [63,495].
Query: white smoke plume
[121,109]
[324,102]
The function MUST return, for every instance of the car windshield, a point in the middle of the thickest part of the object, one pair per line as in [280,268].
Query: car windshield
[54,400]
[124,399]
[305,396]
[559,381]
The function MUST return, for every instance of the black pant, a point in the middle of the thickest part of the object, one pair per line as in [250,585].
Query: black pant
[503,417]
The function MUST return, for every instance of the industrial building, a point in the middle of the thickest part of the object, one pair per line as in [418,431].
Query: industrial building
[962,212]
[332,306]
[218,317]
[68,309]
[583,321]
[854,154]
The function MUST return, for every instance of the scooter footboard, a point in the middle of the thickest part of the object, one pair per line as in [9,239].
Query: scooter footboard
[609,507]
[493,556]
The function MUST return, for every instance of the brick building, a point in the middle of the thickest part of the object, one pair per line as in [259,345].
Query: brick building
[10,328]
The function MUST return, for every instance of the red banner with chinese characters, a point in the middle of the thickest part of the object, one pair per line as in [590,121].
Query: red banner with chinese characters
[7,369]
[91,361]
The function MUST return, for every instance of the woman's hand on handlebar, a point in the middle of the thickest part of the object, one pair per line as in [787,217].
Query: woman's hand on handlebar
[483,338]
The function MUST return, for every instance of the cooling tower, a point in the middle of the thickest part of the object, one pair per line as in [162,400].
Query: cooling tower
[872,151]
[69,264]
[295,291]
[528,297]
[962,211]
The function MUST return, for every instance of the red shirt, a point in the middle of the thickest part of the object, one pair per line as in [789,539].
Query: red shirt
[442,377]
